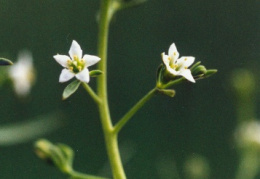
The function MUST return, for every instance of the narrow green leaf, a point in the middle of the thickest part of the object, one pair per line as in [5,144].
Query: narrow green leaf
[5,62]
[70,89]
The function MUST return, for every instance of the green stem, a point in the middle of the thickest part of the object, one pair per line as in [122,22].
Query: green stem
[140,104]
[91,93]
[133,110]
[78,175]
[171,83]
[110,138]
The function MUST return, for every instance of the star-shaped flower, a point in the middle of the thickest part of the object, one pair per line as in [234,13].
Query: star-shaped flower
[178,66]
[75,64]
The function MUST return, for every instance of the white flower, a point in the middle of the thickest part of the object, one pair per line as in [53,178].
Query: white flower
[75,65]
[22,73]
[178,66]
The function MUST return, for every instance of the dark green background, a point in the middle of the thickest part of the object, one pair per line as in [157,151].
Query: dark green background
[223,34]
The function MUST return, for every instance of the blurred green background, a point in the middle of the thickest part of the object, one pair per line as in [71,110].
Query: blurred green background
[200,119]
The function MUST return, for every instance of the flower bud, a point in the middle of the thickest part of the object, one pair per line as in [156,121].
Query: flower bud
[199,72]
[95,73]
[42,148]
[210,72]
[59,155]
[167,92]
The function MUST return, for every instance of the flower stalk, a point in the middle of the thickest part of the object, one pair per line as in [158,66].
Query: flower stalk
[110,136]
[91,93]
[133,110]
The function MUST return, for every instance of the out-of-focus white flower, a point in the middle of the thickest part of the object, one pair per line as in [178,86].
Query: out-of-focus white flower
[178,66]
[22,73]
[75,65]
[248,134]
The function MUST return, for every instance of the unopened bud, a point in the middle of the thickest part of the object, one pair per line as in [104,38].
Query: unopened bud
[59,155]
[95,73]
[199,72]
[42,148]
[167,92]
[210,72]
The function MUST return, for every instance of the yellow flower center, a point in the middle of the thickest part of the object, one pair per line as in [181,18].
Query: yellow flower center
[76,65]
[173,63]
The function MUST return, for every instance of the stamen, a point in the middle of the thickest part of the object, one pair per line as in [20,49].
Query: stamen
[174,66]
[76,65]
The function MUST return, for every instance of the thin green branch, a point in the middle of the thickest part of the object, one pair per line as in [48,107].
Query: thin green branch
[91,93]
[140,104]
[133,110]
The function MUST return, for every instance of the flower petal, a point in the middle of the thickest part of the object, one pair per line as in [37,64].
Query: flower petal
[83,75]
[186,73]
[62,59]
[173,52]
[165,59]
[66,75]
[187,61]
[75,50]
[91,60]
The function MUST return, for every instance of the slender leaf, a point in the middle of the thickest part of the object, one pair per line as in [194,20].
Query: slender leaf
[70,89]
[5,62]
